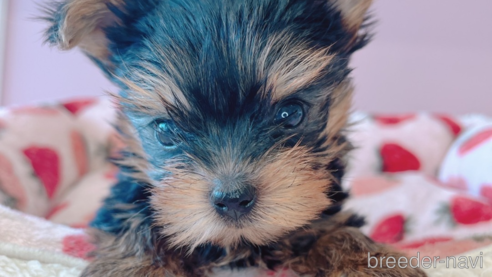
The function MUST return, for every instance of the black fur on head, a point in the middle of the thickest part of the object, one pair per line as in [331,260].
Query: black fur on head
[204,87]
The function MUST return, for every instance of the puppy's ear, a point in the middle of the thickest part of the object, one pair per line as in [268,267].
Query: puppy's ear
[353,16]
[353,12]
[82,23]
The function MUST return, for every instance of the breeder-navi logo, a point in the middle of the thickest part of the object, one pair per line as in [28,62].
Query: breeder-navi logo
[461,262]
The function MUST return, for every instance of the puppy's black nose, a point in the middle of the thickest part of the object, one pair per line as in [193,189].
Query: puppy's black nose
[234,204]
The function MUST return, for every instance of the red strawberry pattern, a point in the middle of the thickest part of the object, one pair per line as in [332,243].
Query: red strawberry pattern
[469,211]
[395,158]
[76,106]
[393,119]
[475,141]
[486,191]
[389,230]
[46,165]
[77,246]
[79,153]
[453,126]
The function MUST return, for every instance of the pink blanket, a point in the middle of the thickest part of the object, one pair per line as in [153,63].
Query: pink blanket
[422,181]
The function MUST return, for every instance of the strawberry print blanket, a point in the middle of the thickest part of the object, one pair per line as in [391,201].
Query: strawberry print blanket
[422,181]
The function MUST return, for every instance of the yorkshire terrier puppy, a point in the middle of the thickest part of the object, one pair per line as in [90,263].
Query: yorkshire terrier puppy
[233,113]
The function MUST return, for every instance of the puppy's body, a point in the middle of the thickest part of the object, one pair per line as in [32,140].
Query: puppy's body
[234,116]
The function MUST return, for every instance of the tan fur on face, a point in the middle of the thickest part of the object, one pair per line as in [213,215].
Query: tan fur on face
[341,102]
[158,93]
[286,64]
[294,66]
[290,194]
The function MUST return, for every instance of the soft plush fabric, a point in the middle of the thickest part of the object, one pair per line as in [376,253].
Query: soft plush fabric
[31,246]
[410,210]
[393,179]
[54,159]
[406,177]
[397,143]
[468,163]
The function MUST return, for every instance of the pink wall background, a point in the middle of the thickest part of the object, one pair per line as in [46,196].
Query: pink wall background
[433,55]
[427,55]
[35,72]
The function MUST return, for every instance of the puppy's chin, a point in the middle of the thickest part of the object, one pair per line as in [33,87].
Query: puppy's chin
[289,195]
[195,224]
[213,229]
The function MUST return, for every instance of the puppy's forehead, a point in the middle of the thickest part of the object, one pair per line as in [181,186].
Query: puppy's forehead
[220,55]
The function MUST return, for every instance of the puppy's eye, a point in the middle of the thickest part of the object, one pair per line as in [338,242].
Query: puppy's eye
[289,115]
[165,134]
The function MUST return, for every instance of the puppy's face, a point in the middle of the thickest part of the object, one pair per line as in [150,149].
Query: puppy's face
[233,109]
